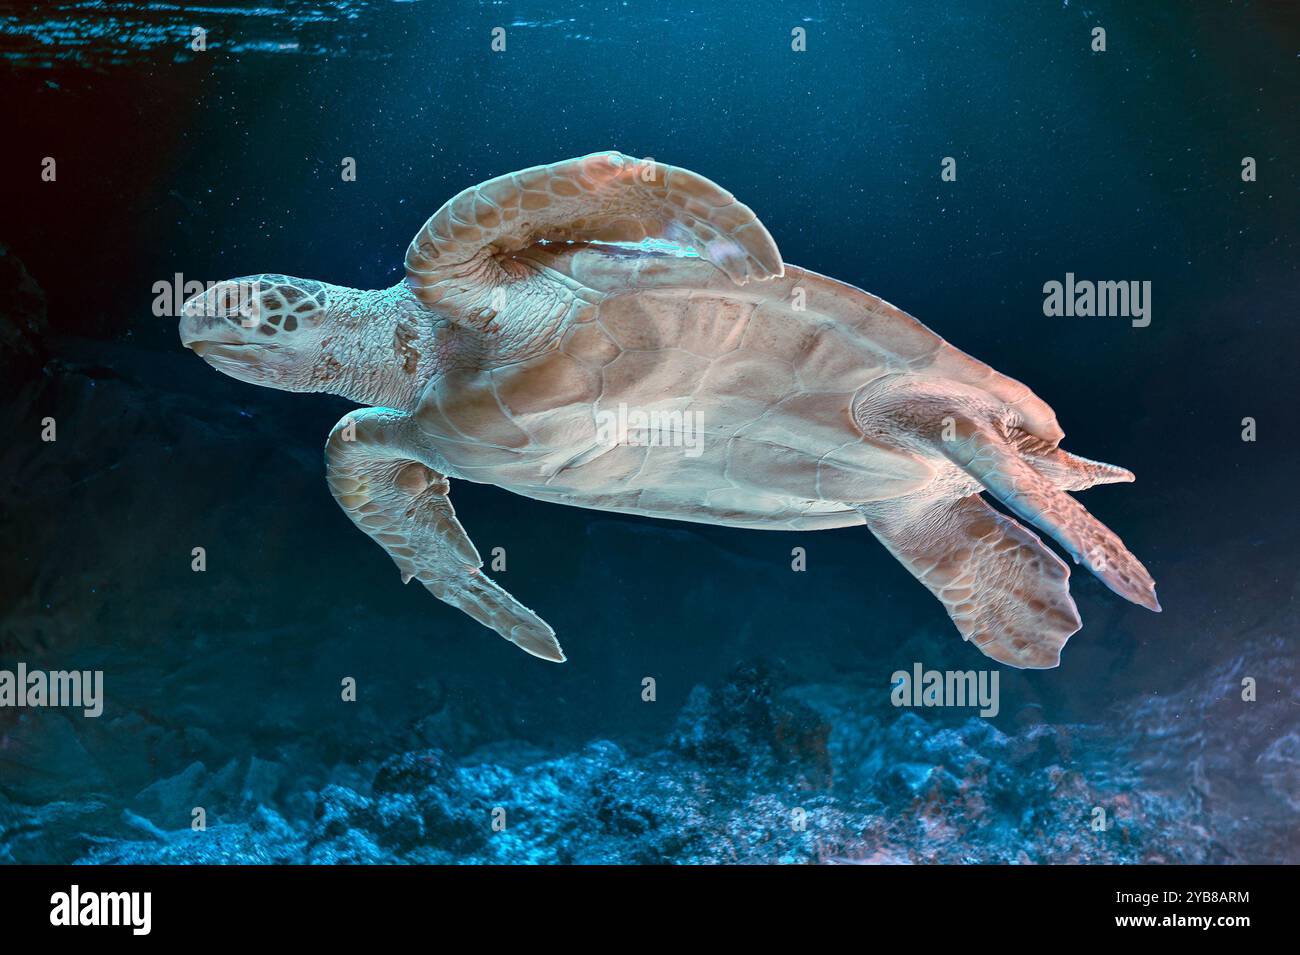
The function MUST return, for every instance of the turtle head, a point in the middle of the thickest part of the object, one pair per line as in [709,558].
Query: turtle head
[264,329]
[373,347]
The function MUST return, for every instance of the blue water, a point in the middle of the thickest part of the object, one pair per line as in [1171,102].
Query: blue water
[1117,165]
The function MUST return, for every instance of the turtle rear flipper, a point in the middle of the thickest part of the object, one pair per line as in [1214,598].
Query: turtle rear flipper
[1005,590]
[979,434]
[1007,593]
[983,450]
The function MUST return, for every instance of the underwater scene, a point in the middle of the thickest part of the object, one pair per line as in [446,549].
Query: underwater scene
[747,366]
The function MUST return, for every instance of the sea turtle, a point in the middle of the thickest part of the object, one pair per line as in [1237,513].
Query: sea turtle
[545,310]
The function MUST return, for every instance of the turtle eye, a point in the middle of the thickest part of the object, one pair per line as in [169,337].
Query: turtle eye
[234,302]
[225,301]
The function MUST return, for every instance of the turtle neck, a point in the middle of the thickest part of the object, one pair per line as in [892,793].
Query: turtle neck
[378,347]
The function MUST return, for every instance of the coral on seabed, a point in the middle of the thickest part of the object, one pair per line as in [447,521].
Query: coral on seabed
[751,773]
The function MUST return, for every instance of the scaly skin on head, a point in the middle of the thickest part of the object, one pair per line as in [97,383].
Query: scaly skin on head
[376,347]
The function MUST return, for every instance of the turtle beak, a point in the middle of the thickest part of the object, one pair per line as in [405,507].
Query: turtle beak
[229,347]
[226,314]
[252,362]
[199,327]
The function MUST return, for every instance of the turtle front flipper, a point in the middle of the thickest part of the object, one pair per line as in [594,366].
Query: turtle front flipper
[604,197]
[393,491]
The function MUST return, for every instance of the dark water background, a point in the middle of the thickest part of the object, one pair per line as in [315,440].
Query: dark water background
[1117,165]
